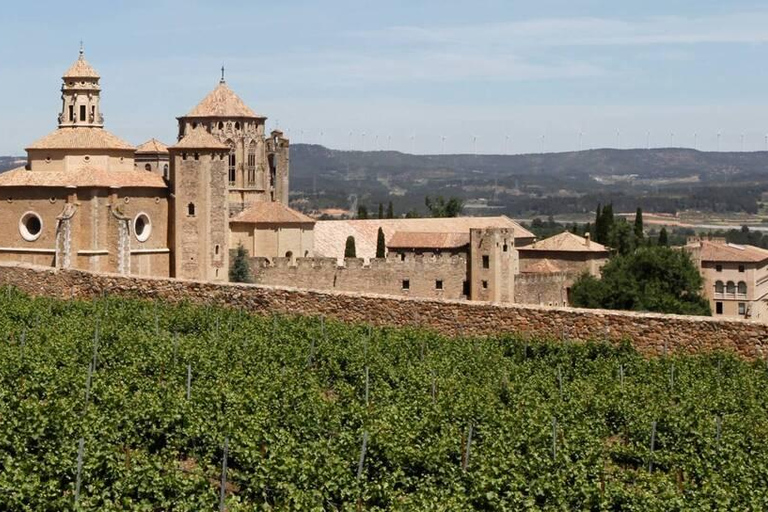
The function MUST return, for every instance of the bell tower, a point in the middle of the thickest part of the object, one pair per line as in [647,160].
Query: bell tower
[80,95]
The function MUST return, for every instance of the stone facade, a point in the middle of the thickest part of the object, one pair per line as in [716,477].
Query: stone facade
[651,334]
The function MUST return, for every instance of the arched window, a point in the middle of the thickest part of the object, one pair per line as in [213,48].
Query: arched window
[719,287]
[730,287]
[252,163]
[216,250]
[237,125]
[742,288]
[147,167]
[191,210]
[221,125]
[165,171]
[232,165]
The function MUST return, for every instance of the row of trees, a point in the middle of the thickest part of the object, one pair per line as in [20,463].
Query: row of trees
[438,206]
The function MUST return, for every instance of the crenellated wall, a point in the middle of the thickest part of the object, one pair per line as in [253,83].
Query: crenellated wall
[651,334]
[415,276]
[545,289]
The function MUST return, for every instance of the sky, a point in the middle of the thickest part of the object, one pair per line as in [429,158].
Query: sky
[499,77]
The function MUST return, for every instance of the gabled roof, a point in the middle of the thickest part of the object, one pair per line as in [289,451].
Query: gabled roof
[80,69]
[413,240]
[199,138]
[542,266]
[83,177]
[565,241]
[714,251]
[80,137]
[269,212]
[152,146]
[222,102]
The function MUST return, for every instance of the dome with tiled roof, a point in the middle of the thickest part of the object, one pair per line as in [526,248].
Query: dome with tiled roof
[222,102]
[152,146]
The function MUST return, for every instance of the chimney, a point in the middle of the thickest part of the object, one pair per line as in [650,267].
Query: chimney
[586,239]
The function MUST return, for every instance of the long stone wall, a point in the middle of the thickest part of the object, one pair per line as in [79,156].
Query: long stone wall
[650,333]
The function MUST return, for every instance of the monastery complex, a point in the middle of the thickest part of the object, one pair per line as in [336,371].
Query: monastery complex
[88,200]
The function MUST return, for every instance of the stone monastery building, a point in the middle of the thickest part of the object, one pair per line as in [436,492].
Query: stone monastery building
[88,200]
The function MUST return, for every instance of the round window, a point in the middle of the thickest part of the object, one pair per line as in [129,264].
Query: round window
[142,227]
[30,226]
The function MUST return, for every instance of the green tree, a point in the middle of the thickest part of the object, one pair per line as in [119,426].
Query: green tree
[362,212]
[598,223]
[440,207]
[390,211]
[381,246]
[656,279]
[621,237]
[604,224]
[639,226]
[381,210]
[240,270]
[663,238]
[349,248]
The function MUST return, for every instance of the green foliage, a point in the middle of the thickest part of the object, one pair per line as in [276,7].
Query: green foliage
[621,238]
[638,226]
[289,393]
[349,248]
[390,211]
[362,212]
[663,238]
[604,223]
[240,269]
[381,245]
[649,279]
[440,207]
[381,211]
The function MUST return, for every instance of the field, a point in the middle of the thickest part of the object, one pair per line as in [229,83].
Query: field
[316,415]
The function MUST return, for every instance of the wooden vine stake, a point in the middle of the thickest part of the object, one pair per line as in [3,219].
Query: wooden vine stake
[366,387]
[88,384]
[223,490]
[653,446]
[189,379]
[560,381]
[467,449]
[361,462]
[80,450]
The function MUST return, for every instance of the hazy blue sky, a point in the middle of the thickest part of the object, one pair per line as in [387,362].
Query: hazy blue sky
[491,76]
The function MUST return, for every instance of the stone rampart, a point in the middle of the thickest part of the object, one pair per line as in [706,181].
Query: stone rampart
[650,333]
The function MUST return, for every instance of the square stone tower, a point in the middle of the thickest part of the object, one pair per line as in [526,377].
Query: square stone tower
[200,207]
[493,263]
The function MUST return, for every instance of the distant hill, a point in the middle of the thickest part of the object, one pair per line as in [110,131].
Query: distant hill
[666,179]
[662,180]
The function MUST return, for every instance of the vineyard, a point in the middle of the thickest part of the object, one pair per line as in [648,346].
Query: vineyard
[116,404]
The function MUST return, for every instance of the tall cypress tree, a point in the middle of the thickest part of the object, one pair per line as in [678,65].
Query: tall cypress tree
[598,225]
[638,226]
[381,210]
[390,211]
[663,240]
[381,246]
[349,248]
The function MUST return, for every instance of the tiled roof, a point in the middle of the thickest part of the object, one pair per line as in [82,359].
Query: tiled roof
[199,139]
[269,212]
[412,240]
[222,102]
[331,235]
[543,266]
[83,177]
[81,137]
[152,146]
[714,251]
[81,69]
[565,241]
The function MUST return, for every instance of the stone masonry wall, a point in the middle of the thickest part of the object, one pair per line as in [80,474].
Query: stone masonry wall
[381,276]
[549,289]
[650,333]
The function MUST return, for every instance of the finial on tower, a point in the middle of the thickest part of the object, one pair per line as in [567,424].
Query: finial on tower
[81,49]
[222,75]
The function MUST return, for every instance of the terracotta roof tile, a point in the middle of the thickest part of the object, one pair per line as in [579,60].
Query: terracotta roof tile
[222,102]
[152,146]
[81,69]
[83,177]
[80,138]
[268,212]
[565,241]
[412,240]
[199,138]
[714,251]
[331,235]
